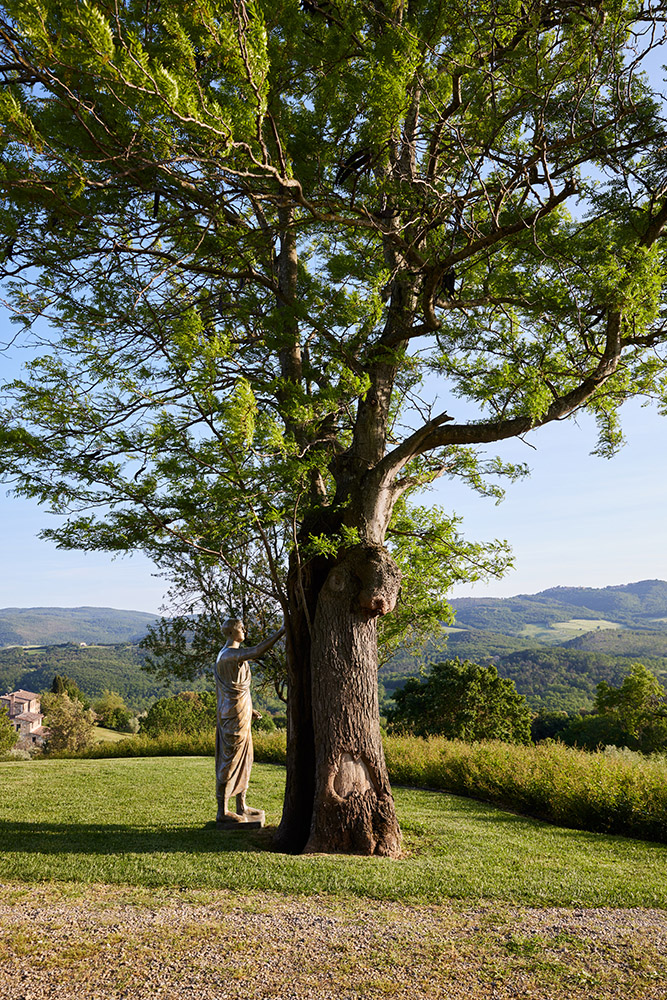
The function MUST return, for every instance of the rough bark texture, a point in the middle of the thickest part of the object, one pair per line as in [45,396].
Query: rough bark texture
[304,585]
[353,809]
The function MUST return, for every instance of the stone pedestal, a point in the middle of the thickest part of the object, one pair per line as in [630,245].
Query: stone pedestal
[250,821]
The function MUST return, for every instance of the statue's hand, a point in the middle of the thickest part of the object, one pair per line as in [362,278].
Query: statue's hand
[256,714]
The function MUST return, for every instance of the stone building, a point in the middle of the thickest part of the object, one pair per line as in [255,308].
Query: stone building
[24,710]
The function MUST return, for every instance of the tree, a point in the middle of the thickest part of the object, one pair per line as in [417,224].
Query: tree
[8,735]
[62,684]
[187,712]
[634,714]
[639,699]
[70,725]
[254,243]
[112,711]
[464,701]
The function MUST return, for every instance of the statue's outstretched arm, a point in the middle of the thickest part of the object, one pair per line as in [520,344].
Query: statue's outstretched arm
[254,652]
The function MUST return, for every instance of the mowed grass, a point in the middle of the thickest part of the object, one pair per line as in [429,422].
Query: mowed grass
[148,822]
[102,735]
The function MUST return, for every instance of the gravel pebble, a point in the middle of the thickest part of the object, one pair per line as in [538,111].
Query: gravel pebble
[111,944]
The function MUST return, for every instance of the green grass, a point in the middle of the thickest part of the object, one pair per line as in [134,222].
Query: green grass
[146,822]
[624,793]
[561,631]
[102,735]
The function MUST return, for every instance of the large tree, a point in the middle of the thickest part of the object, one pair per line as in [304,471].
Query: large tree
[255,242]
[462,701]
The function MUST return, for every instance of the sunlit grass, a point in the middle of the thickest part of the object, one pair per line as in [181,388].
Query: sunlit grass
[148,822]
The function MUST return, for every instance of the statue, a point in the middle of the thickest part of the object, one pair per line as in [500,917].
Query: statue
[233,738]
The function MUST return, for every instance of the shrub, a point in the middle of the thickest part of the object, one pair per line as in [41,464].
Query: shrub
[188,712]
[587,791]
[112,711]
[69,724]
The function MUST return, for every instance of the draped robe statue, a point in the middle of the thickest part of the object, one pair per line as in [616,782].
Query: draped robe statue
[233,738]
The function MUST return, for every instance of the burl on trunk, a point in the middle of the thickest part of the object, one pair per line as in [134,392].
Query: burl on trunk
[353,809]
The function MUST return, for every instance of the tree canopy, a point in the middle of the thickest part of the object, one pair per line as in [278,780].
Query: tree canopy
[464,701]
[8,735]
[282,268]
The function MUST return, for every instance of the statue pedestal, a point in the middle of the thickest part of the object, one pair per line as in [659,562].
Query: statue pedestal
[250,821]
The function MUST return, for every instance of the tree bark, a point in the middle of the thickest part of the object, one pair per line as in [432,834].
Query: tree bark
[303,587]
[353,808]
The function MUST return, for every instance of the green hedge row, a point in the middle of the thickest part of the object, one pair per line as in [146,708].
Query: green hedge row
[621,793]
[608,793]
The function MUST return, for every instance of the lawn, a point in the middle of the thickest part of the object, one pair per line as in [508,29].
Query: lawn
[102,735]
[147,822]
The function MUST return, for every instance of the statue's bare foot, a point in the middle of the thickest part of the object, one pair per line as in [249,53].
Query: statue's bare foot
[249,811]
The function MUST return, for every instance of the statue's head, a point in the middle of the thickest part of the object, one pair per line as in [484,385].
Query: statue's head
[232,627]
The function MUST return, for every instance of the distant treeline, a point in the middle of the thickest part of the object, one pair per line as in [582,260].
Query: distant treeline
[94,668]
[552,678]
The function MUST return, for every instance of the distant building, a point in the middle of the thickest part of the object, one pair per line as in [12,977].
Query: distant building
[24,710]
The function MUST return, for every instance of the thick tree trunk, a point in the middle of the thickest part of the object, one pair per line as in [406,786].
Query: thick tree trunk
[304,585]
[353,808]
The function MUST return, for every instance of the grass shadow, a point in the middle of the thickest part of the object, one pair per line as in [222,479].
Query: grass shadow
[110,838]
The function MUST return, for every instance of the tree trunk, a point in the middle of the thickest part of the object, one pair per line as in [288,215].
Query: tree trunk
[303,586]
[353,809]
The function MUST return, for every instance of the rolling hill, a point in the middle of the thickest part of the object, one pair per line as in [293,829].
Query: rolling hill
[52,626]
[639,606]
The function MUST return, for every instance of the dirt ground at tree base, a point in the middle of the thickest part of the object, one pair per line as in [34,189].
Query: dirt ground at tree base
[62,941]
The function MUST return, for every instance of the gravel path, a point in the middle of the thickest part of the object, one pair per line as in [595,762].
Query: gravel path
[111,943]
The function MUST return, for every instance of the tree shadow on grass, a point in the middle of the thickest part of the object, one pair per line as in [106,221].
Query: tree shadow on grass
[110,838]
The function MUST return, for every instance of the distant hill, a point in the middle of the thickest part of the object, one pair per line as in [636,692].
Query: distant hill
[51,626]
[94,668]
[98,668]
[621,642]
[556,645]
[640,605]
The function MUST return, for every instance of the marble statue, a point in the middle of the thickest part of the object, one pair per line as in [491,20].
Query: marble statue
[233,738]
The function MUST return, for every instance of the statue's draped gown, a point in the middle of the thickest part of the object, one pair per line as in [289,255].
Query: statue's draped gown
[233,738]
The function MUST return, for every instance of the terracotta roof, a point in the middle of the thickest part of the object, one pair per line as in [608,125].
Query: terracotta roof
[29,716]
[25,694]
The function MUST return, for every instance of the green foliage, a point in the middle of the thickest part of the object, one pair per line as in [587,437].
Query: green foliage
[62,684]
[112,711]
[632,715]
[640,697]
[604,792]
[461,701]
[432,557]
[70,725]
[548,725]
[228,300]
[189,712]
[8,735]
[564,679]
